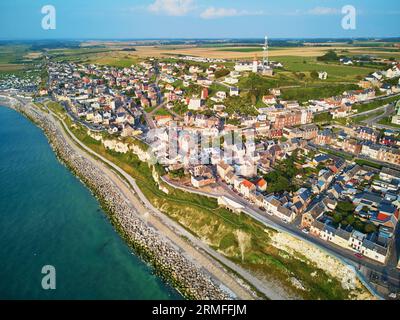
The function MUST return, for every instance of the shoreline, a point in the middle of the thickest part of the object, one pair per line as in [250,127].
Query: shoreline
[167,262]
[106,167]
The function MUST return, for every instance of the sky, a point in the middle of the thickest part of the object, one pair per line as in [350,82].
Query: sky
[159,19]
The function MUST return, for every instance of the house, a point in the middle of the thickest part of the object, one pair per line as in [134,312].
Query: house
[353,240]
[336,191]
[324,137]
[261,184]
[121,117]
[223,169]
[320,158]
[127,131]
[274,207]
[369,199]
[162,120]
[388,174]
[304,196]
[246,187]
[356,240]
[312,215]
[201,176]
[195,104]
[323,75]
[269,100]
[387,215]
[247,169]
[366,133]
[243,66]
[221,95]
[337,165]
[236,182]
[276,92]
[352,146]
[257,198]
[386,88]
[229,177]
[374,251]
[346,61]
[233,91]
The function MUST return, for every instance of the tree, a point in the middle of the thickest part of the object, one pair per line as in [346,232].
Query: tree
[277,182]
[221,73]
[350,219]
[314,74]
[329,56]
[337,217]
[359,225]
[369,228]
[345,207]
[300,76]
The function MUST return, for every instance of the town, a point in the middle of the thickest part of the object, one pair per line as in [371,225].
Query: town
[303,164]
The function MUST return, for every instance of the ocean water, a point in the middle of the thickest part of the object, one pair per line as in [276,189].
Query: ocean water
[48,217]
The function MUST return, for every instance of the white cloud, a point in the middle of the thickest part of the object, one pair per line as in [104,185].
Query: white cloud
[214,13]
[322,11]
[172,7]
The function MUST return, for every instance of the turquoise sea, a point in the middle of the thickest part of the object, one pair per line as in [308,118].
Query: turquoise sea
[48,217]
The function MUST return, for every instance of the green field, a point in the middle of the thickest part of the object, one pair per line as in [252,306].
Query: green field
[12,58]
[336,72]
[316,91]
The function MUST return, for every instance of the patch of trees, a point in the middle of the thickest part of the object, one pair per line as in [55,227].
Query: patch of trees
[221,73]
[329,56]
[344,215]
[177,174]
[282,178]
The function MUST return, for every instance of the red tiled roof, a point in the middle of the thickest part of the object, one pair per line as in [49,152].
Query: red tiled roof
[247,184]
[261,182]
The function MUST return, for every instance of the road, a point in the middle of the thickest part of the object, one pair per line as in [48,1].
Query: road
[388,110]
[364,267]
[385,107]
[201,252]
[356,156]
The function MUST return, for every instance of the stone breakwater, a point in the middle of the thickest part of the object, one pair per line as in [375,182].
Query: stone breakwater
[168,263]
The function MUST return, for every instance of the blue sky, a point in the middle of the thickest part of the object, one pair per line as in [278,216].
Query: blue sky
[121,19]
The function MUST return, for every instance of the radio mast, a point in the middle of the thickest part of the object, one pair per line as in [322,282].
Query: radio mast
[265,54]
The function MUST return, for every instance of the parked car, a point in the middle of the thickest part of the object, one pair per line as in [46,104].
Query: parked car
[359,255]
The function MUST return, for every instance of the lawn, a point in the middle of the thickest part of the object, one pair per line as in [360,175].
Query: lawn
[387,121]
[373,105]
[367,116]
[363,162]
[336,72]
[304,94]
[324,117]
